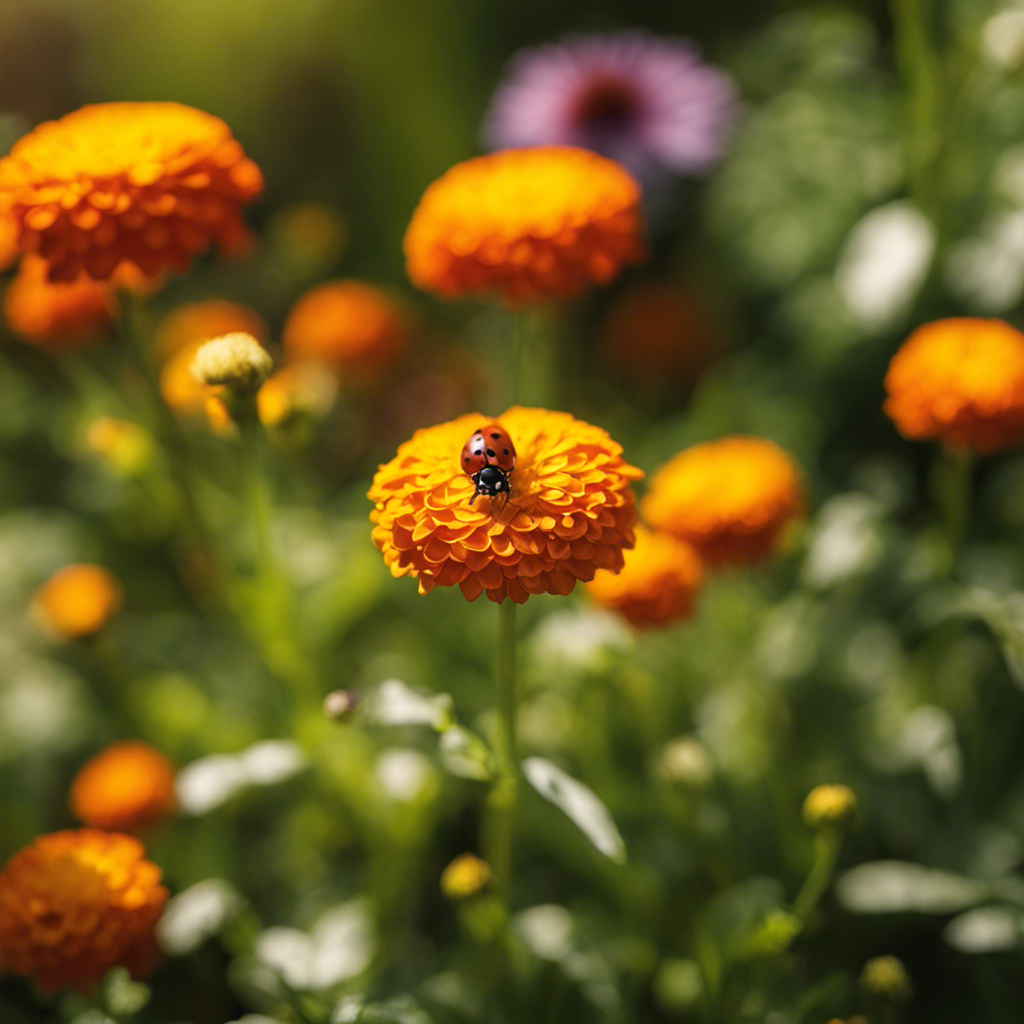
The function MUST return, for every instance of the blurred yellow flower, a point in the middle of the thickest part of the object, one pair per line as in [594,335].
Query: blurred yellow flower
[299,388]
[571,510]
[78,600]
[348,325]
[658,582]
[153,184]
[126,787]
[465,877]
[75,904]
[126,446]
[527,224]
[731,499]
[961,382]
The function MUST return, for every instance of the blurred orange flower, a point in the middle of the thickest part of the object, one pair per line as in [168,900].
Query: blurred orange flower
[348,325]
[571,510]
[150,183]
[961,382]
[731,499]
[195,322]
[78,600]
[126,787]
[659,331]
[657,584]
[9,251]
[57,314]
[527,224]
[75,904]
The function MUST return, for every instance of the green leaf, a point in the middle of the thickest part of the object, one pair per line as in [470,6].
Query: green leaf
[579,804]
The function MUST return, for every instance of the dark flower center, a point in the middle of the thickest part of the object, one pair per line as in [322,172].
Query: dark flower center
[606,104]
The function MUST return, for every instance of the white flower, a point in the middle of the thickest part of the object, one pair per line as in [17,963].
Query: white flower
[195,914]
[884,263]
[403,774]
[339,947]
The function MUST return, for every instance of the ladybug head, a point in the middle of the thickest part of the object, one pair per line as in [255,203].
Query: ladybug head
[492,480]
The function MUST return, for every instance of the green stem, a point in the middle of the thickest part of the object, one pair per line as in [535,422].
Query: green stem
[502,800]
[921,72]
[164,425]
[257,497]
[826,853]
[272,605]
[953,473]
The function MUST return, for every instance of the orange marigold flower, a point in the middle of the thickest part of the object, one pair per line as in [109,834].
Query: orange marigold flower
[731,499]
[151,183]
[571,510]
[57,314]
[961,382]
[78,600]
[75,904]
[658,582]
[528,224]
[348,325]
[126,787]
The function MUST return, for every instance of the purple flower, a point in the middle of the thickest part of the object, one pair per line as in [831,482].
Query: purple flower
[647,102]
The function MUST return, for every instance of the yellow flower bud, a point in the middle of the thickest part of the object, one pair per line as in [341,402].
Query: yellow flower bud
[464,877]
[831,806]
[235,361]
[884,979]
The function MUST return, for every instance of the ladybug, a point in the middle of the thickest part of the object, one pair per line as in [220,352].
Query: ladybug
[488,458]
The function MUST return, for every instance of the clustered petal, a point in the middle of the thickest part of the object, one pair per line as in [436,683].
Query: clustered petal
[526,224]
[731,499]
[75,904]
[153,184]
[960,381]
[658,582]
[571,510]
[124,788]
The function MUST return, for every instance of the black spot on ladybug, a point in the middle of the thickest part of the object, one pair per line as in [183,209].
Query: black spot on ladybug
[491,452]
[495,436]
[478,451]
[468,459]
[505,450]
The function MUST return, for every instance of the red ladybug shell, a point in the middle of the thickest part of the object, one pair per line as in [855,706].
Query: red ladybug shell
[490,445]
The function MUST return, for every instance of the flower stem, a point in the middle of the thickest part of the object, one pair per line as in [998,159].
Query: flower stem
[502,801]
[167,430]
[952,483]
[826,854]
[921,72]
[272,605]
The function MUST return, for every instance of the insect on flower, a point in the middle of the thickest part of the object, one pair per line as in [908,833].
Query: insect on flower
[488,458]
